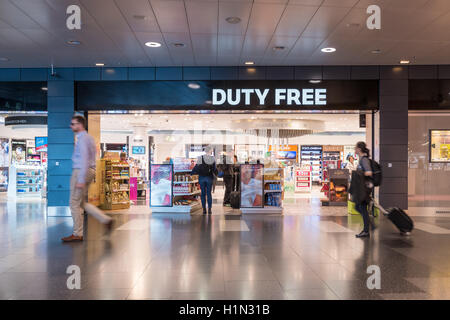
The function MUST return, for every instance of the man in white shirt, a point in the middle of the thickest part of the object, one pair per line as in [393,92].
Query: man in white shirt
[83,173]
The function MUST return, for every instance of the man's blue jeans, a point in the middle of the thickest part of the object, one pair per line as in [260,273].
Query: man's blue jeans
[206,187]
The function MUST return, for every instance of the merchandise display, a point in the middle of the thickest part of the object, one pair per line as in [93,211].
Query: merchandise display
[25,180]
[337,188]
[303,179]
[312,155]
[115,185]
[185,188]
[252,185]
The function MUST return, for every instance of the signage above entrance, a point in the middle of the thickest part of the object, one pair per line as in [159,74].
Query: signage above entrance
[306,97]
[227,95]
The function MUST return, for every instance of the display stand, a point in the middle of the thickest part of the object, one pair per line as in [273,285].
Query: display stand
[115,187]
[303,179]
[312,155]
[338,188]
[273,182]
[186,190]
[25,181]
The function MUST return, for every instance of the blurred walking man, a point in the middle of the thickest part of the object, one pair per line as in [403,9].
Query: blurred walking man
[83,173]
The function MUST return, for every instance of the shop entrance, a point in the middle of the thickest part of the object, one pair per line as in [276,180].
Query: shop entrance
[300,153]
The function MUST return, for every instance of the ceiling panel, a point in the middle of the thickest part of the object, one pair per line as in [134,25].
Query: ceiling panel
[230,45]
[139,15]
[304,47]
[202,16]
[171,15]
[264,18]
[324,21]
[14,17]
[239,9]
[160,55]
[106,14]
[294,20]
[280,41]
[255,45]
[204,44]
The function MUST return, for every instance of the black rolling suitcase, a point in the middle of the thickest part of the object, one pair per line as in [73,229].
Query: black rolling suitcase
[235,199]
[399,218]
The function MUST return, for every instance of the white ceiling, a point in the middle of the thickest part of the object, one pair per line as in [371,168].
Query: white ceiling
[110,122]
[33,32]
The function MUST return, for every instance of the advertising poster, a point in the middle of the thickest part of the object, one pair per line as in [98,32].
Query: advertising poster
[4,164]
[252,193]
[161,192]
[18,151]
[41,144]
[4,152]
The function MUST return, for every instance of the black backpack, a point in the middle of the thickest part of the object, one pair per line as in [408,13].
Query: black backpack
[377,174]
[205,169]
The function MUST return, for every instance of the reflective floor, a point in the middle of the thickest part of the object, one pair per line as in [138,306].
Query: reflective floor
[295,256]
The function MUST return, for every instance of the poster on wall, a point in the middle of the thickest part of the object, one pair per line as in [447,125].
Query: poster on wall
[252,193]
[161,191]
[4,164]
[440,146]
[18,151]
[41,144]
[4,152]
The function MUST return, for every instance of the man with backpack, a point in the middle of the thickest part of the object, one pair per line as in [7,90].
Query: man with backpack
[206,170]
[364,179]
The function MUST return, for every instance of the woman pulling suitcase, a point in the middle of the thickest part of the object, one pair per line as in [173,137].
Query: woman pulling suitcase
[361,186]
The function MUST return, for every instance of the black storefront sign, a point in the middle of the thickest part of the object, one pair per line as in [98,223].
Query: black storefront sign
[23,96]
[227,95]
[25,120]
[429,94]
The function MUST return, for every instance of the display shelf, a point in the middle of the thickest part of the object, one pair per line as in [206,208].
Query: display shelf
[182,171]
[273,191]
[272,175]
[313,156]
[187,194]
[272,181]
[32,175]
[113,195]
[303,179]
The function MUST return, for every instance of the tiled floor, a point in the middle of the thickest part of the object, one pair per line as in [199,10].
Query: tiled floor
[309,253]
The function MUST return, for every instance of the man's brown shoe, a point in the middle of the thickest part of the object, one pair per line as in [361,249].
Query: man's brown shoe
[72,238]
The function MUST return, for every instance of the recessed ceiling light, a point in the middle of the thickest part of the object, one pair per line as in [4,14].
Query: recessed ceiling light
[44,89]
[353,25]
[315,81]
[233,20]
[404,61]
[178,45]
[328,50]
[139,17]
[4,59]
[376,51]
[152,44]
[279,48]
[99,64]
[194,85]
[249,63]
[74,42]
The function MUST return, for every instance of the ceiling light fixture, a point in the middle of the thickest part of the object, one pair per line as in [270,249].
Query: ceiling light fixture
[99,64]
[153,44]
[194,86]
[233,20]
[328,50]
[44,89]
[315,81]
[74,42]
[279,48]
[404,61]
[139,17]
[376,51]
[249,63]
[178,45]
